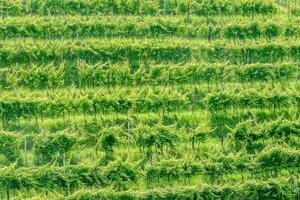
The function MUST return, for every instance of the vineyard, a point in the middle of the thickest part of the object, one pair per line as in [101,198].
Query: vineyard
[150,99]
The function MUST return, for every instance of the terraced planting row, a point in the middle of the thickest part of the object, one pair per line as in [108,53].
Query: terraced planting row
[138,7]
[83,75]
[144,100]
[231,28]
[158,142]
[166,51]
[140,99]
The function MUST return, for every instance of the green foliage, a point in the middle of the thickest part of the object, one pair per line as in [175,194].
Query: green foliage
[268,189]
[172,170]
[272,31]
[281,128]
[120,174]
[149,99]
[276,157]
[200,135]
[107,141]
[132,7]
[157,138]
[98,75]
[9,147]
[295,11]
[171,51]
[48,149]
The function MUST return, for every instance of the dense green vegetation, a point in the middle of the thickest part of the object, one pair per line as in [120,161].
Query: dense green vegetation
[138,7]
[149,99]
[229,27]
